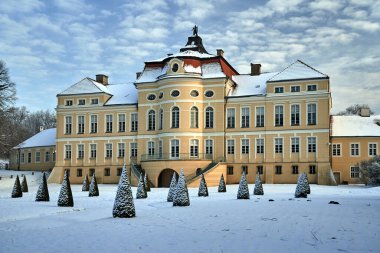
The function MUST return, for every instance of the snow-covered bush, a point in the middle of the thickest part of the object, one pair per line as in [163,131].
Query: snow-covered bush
[258,190]
[181,196]
[306,182]
[24,185]
[370,171]
[141,192]
[65,195]
[203,191]
[94,190]
[16,192]
[123,206]
[146,182]
[43,191]
[301,189]
[243,192]
[86,184]
[172,188]
[222,184]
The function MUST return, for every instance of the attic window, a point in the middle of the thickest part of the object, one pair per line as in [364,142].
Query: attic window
[94,101]
[69,102]
[209,93]
[312,87]
[151,97]
[194,93]
[81,102]
[175,93]
[175,67]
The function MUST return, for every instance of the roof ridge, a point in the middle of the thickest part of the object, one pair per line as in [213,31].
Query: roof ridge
[312,67]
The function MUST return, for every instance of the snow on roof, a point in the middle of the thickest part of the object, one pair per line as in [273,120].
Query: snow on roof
[191,69]
[247,85]
[189,53]
[150,74]
[122,94]
[42,139]
[212,70]
[297,70]
[85,86]
[355,126]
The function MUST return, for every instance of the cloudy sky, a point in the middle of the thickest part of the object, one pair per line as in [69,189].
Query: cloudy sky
[49,45]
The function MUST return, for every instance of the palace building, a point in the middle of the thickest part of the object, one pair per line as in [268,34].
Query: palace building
[193,110]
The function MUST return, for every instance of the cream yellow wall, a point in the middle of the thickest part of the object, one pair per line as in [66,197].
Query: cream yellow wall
[42,165]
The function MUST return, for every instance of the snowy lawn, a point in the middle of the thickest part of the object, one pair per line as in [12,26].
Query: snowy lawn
[218,223]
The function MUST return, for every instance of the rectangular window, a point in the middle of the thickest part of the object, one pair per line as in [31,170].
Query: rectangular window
[68,124]
[38,156]
[279,115]
[29,157]
[260,146]
[230,117]
[107,172]
[22,158]
[134,122]
[92,172]
[295,144]
[160,149]
[279,90]
[121,149]
[174,145]
[79,172]
[244,168]
[245,146]
[80,124]
[69,103]
[209,147]
[230,170]
[311,144]
[230,147]
[94,123]
[121,118]
[92,150]
[312,87]
[150,148]
[94,101]
[312,169]
[133,149]
[109,121]
[81,102]
[80,151]
[372,149]
[312,114]
[245,117]
[260,116]
[355,172]
[54,154]
[295,169]
[278,145]
[118,171]
[47,156]
[194,148]
[278,169]
[68,172]
[260,169]
[108,150]
[336,149]
[67,151]
[295,115]
[354,149]
[295,88]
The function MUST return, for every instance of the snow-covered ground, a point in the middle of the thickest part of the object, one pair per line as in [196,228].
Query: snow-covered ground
[218,223]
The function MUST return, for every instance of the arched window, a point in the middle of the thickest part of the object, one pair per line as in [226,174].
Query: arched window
[160,119]
[194,117]
[175,117]
[209,117]
[151,120]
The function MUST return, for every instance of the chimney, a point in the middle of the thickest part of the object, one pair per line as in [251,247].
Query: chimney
[103,79]
[138,74]
[219,52]
[364,112]
[255,69]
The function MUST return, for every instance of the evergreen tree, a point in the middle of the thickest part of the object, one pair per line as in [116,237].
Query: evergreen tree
[222,185]
[306,179]
[124,206]
[17,193]
[86,184]
[181,197]
[146,182]
[172,188]
[43,191]
[258,190]
[141,192]
[301,188]
[94,190]
[24,185]
[65,195]
[202,191]
[243,192]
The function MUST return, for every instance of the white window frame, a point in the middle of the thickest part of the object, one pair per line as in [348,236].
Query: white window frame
[275,139]
[245,146]
[194,148]
[316,113]
[247,122]
[93,151]
[299,114]
[121,149]
[121,123]
[274,115]
[134,121]
[80,151]
[81,124]
[338,147]
[256,116]
[376,149]
[233,122]
[354,172]
[108,123]
[355,149]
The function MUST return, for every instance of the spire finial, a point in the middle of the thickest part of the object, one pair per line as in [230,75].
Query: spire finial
[195,30]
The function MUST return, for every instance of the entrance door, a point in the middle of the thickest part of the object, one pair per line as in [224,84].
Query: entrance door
[165,177]
[337,177]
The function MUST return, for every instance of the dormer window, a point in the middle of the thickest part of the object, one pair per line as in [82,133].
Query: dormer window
[279,90]
[295,88]
[94,101]
[81,102]
[69,103]
[175,67]
[312,87]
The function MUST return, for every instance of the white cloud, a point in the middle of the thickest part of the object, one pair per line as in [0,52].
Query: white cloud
[283,7]
[23,6]
[362,25]
[327,5]
[76,6]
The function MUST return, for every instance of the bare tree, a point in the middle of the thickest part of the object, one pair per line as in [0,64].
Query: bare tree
[355,110]
[7,88]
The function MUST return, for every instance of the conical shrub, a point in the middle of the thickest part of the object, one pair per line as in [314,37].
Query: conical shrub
[306,179]
[258,190]
[17,192]
[86,184]
[94,190]
[24,185]
[123,206]
[65,195]
[146,182]
[222,184]
[172,188]
[243,192]
[43,191]
[181,196]
[301,189]
[202,191]
[141,192]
